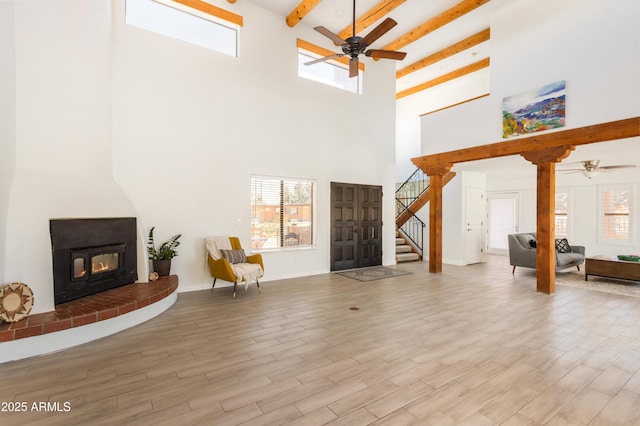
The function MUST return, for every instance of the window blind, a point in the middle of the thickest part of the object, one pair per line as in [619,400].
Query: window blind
[282,212]
[615,209]
[562,214]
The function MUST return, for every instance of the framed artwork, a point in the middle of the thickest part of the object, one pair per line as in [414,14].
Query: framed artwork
[534,111]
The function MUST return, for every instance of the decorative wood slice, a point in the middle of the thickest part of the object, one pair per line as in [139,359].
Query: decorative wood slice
[16,301]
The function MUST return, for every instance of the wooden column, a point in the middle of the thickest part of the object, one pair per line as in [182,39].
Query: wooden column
[436,182]
[546,160]
[435,224]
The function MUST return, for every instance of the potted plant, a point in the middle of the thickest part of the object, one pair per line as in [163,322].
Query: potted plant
[162,256]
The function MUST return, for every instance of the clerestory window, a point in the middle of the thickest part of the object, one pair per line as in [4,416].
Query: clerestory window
[193,21]
[333,72]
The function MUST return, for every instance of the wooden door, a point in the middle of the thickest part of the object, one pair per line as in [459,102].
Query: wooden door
[356,226]
[369,226]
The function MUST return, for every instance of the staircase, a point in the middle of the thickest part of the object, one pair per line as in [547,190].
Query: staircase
[404,251]
[411,196]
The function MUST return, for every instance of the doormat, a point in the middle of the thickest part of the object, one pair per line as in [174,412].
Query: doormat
[372,274]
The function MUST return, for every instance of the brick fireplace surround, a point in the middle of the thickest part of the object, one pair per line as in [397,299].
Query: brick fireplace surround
[90,309]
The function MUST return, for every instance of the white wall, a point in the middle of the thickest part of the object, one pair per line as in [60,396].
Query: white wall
[591,44]
[7,119]
[462,126]
[170,133]
[250,115]
[583,209]
[454,207]
[411,108]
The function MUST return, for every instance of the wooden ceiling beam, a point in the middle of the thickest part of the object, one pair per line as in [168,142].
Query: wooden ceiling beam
[373,15]
[303,8]
[621,129]
[434,23]
[231,1]
[476,66]
[447,52]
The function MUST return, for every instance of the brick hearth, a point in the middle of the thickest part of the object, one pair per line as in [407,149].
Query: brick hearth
[90,309]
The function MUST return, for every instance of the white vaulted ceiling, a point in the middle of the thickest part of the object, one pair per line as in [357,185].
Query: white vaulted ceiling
[468,17]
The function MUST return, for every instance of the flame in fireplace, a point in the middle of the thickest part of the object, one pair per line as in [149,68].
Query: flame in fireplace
[100,267]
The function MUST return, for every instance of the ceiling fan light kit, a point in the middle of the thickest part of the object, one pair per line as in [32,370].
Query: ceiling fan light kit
[590,173]
[355,45]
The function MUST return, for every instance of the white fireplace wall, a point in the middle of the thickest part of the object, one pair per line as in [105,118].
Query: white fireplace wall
[63,143]
[7,119]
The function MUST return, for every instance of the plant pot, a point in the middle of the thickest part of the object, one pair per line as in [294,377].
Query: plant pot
[162,267]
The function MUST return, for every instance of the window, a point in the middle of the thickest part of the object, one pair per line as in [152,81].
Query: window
[333,72]
[614,214]
[562,214]
[193,21]
[282,211]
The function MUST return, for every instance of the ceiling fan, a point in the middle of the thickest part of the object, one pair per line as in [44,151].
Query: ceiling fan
[591,168]
[355,45]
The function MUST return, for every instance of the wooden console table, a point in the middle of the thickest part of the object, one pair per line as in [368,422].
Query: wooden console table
[611,267]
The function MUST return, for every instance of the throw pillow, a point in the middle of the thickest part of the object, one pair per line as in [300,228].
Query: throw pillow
[234,256]
[533,243]
[562,245]
[524,239]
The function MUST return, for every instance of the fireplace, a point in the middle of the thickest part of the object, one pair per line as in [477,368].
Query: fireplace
[92,255]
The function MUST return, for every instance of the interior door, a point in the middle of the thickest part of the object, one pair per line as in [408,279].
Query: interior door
[474,225]
[502,210]
[356,226]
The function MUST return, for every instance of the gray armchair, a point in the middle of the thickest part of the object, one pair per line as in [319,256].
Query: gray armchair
[522,253]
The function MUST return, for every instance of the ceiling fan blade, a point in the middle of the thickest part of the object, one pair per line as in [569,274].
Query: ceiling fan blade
[622,166]
[326,58]
[386,54]
[570,171]
[329,34]
[379,31]
[353,67]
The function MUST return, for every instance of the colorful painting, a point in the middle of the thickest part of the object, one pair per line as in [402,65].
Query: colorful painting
[534,111]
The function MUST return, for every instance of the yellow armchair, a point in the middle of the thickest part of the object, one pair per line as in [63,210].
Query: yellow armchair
[220,267]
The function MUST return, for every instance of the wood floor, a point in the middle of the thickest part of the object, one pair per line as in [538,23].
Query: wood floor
[473,346]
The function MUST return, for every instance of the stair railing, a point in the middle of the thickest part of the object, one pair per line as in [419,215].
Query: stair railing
[407,193]
[410,190]
[413,230]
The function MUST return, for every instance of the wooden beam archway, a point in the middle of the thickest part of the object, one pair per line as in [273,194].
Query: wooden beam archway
[542,150]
